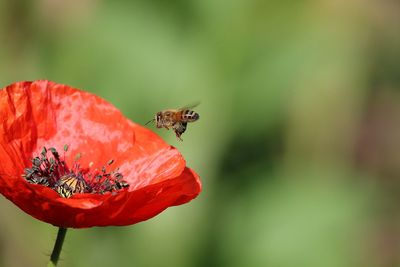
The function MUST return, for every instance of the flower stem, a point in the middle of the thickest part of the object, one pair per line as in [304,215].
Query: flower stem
[55,255]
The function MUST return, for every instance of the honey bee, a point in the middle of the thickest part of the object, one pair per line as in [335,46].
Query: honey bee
[176,119]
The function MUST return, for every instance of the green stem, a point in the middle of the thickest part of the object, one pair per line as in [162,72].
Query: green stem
[55,255]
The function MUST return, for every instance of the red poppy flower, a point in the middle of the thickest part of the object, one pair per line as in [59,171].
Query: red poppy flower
[147,174]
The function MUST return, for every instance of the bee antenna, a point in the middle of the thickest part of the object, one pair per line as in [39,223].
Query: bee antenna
[150,121]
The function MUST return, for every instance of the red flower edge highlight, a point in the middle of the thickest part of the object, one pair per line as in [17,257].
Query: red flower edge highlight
[46,114]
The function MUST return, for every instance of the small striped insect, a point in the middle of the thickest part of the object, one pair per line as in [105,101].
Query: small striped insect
[70,184]
[177,119]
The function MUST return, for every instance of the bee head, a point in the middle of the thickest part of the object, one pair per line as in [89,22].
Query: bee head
[158,119]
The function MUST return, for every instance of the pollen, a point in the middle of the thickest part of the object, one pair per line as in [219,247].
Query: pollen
[50,169]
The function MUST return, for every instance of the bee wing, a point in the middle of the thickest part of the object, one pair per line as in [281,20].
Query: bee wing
[193,105]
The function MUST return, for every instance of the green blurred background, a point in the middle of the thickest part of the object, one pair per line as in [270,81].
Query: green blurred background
[298,145]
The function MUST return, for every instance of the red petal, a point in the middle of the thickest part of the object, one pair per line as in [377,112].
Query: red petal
[43,113]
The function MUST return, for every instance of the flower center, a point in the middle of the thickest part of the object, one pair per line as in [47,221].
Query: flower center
[50,170]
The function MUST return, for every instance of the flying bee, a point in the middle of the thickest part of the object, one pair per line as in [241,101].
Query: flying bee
[177,119]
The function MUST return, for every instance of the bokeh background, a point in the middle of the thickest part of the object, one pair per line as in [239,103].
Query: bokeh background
[298,145]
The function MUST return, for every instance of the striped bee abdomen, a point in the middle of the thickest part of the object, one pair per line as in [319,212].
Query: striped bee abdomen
[190,115]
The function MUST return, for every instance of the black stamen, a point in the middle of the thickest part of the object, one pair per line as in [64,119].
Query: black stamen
[54,173]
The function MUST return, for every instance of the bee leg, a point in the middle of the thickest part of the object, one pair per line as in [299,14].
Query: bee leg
[166,127]
[178,136]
